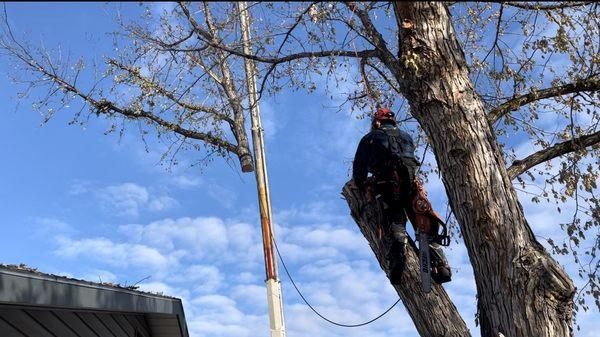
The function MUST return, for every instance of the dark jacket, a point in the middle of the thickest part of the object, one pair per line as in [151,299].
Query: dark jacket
[381,151]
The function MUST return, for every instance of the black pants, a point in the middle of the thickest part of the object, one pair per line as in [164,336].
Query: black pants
[394,195]
[395,191]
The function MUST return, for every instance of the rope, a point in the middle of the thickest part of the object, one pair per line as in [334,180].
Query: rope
[362,73]
[361,67]
[315,310]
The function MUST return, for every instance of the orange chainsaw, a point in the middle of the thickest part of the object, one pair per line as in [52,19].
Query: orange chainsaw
[427,224]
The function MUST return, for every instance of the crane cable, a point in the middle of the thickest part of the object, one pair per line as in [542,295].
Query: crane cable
[372,106]
[315,310]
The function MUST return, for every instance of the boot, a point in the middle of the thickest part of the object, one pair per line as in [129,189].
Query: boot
[397,254]
[440,270]
[396,262]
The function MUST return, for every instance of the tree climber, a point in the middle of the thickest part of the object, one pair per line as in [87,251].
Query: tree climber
[388,153]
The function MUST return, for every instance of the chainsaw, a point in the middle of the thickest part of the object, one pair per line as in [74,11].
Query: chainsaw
[427,224]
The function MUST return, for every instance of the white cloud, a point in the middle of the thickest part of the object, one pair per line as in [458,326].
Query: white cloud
[157,287]
[163,288]
[215,266]
[205,278]
[52,226]
[228,296]
[272,121]
[297,253]
[186,181]
[207,238]
[327,235]
[162,203]
[254,295]
[220,316]
[123,255]
[315,211]
[246,277]
[100,275]
[200,236]
[79,187]
[125,199]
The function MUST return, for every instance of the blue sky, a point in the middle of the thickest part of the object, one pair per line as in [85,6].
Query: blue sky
[79,203]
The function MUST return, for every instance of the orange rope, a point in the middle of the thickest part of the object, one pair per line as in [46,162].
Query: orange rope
[364,78]
[362,73]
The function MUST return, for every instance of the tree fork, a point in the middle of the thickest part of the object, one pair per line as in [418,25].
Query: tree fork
[521,290]
[434,314]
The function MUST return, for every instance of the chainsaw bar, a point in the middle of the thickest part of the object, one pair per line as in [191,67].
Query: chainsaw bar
[425,262]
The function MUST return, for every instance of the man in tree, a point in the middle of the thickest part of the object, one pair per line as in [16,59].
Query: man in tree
[470,95]
[388,153]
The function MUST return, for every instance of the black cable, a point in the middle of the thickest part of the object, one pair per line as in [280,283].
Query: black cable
[315,310]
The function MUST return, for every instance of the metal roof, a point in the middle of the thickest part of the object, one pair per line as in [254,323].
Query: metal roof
[25,288]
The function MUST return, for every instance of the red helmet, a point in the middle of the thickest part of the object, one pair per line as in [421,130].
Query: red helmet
[384,114]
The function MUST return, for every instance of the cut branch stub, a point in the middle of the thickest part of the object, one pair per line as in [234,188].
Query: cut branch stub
[434,314]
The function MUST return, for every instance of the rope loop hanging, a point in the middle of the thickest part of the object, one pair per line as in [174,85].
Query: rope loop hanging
[315,310]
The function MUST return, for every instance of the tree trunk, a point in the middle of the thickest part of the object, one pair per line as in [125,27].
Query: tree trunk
[434,314]
[522,291]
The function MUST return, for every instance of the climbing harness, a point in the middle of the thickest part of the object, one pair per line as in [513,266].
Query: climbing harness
[426,222]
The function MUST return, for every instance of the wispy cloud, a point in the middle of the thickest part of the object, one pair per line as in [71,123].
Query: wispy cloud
[186,181]
[223,195]
[48,226]
[125,199]
[162,203]
[215,265]
[108,252]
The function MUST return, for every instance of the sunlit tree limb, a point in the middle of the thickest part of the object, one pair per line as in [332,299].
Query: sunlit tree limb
[519,167]
[589,85]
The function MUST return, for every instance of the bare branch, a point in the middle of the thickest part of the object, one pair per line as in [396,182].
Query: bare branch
[536,5]
[518,167]
[170,95]
[384,76]
[296,23]
[590,84]
[228,85]
[495,44]
[104,106]
[206,37]
[375,37]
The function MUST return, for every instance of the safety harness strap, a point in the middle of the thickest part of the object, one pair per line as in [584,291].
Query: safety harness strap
[422,215]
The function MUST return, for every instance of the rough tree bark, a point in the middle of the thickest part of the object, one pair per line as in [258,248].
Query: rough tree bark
[434,314]
[521,290]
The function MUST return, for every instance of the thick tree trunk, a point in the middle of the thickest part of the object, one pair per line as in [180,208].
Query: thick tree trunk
[434,314]
[522,291]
